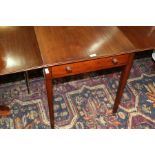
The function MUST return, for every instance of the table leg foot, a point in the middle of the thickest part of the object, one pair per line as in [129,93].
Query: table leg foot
[4,111]
[123,79]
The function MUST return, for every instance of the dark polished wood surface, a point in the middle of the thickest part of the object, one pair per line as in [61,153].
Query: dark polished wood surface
[89,66]
[143,37]
[60,45]
[18,50]
[123,80]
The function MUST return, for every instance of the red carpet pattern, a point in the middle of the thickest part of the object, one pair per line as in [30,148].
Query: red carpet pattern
[84,101]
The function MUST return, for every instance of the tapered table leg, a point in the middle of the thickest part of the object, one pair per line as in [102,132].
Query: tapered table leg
[4,111]
[123,79]
[27,81]
[49,88]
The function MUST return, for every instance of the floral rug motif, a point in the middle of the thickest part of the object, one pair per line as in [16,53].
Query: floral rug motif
[144,90]
[27,110]
[139,121]
[84,101]
[92,108]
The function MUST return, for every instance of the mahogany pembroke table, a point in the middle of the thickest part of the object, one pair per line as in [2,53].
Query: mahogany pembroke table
[70,50]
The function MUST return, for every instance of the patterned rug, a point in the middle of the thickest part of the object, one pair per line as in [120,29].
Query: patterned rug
[84,101]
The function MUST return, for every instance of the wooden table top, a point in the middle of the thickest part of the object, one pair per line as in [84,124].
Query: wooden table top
[142,37]
[18,50]
[60,45]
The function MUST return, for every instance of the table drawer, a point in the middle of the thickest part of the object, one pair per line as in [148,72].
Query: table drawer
[88,66]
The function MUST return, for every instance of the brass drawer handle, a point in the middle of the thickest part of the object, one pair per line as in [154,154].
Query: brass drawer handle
[68,69]
[114,61]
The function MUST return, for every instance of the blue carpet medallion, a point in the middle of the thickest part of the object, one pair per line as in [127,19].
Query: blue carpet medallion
[84,101]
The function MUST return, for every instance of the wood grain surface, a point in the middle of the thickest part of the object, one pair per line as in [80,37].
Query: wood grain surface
[18,50]
[142,37]
[60,45]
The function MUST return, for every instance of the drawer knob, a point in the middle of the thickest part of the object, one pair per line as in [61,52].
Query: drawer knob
[114,61]
[68,69]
